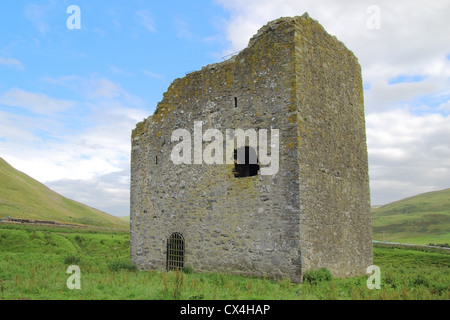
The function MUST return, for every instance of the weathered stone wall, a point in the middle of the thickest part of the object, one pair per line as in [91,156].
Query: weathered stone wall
[335,225]
[294,77]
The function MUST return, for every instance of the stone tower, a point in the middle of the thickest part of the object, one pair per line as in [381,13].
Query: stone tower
[312,212]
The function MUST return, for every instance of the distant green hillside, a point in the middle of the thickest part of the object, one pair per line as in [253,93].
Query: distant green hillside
[126,218]
[421,219]
[23,197]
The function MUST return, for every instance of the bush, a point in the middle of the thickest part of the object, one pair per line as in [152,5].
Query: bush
[419,280]
[391,280]
[315,276]
[188,269]
[72,259]
[78,239]
[285,283]
[121,265]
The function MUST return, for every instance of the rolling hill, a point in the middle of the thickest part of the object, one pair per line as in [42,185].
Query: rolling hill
[23,197]
[420,219]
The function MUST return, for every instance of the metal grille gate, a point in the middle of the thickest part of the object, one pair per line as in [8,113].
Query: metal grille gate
[175,252]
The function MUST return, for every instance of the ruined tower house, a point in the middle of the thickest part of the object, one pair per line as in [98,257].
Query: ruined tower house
[313,212]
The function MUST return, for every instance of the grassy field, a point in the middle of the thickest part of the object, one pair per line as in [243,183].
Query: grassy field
[25,198]
[34,260]
[421,219]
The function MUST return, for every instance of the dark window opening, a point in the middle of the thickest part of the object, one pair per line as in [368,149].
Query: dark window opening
[175,252]
[250,167]
[235,102]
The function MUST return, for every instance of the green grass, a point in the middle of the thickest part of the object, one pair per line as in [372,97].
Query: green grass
[25,198]
[421,219]
[34,260]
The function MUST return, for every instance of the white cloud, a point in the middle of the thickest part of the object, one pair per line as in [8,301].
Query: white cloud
[153,74]
[84,155]
[445,107]
[412,39]
[38,15]
[77,148]
[99,31]
[145,18]
[407,122]
[95,88]
[88,159]
[408,154]
[90,165]
[103,89]
[184,32]
[412,27]
[109,192]
[9,127]
[119,71]
[36,102]
[11,63]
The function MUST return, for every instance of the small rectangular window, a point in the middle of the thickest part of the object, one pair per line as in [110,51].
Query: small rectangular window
[250,167]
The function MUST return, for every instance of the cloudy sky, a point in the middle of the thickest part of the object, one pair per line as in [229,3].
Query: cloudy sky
[70,97]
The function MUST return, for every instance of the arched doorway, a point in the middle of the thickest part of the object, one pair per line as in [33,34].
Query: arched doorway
[175,252]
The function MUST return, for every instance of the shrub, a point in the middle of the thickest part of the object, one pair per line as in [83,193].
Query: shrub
[78,239]
[315,276]
[72,259]
[188,269]
[391,280]
[121,265]
[285,283]
[419,280]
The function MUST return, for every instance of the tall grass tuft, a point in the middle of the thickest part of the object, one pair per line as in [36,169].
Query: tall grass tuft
[188,269]
[72,259]
[118,265]
[316,276]
[178,285]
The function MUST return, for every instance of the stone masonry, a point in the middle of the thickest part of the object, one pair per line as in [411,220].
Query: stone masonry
[313,213]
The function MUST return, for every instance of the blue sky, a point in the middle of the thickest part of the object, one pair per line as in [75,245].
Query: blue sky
[144,45]
[70,98]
